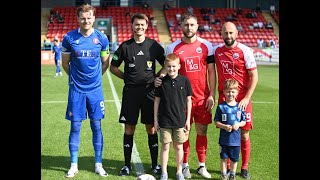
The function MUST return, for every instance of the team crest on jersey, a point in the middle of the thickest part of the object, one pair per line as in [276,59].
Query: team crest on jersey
[199,50]
[149,65]
[95,40]
[236,56]
[77,41]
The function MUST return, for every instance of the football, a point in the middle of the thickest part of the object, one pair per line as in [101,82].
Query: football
[146,177]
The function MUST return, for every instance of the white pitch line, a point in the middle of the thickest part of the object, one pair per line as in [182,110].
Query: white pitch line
[135,154]
[109,101]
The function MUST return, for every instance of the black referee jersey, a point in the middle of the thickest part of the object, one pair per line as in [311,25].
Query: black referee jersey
[139,60]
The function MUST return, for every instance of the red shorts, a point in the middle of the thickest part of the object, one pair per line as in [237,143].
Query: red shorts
[199,113]
[249,124]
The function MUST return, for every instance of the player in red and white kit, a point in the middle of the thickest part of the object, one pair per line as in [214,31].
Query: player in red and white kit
[196,58]
[236,60]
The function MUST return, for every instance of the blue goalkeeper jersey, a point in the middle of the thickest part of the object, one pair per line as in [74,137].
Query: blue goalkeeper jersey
[227,114]
[85,73]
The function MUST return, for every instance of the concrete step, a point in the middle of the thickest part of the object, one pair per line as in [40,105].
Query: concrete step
[45,12]
[275,25]
[162,26]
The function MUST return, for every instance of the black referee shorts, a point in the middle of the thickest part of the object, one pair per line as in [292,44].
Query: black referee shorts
[137,99]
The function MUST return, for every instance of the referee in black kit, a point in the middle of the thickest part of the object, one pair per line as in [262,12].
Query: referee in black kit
[139,55]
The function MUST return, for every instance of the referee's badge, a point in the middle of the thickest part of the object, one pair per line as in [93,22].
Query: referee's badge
[149,64]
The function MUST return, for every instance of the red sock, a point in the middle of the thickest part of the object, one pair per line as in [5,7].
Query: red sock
[245,153]
[201,147]
[186,151]
[228,163]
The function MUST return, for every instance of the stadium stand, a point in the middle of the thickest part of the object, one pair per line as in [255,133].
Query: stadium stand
[121,22]
[122,25]
[248,37]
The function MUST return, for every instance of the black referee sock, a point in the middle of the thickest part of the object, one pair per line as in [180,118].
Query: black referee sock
[127,149]
[153,147]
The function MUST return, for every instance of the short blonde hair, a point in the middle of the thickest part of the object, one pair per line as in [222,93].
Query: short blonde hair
[231,84]
[86,8]
[172,57]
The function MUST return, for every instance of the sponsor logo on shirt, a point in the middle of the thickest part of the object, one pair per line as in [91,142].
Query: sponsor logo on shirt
[140,53]
[227,67]
[192,64]
[86,54]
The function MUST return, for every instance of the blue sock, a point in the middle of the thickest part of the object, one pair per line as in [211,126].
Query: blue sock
[98,156]
[74,140]
[74,156]
[58,69]
[97,140]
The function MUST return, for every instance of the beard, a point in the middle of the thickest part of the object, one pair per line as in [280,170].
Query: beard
[229,43]
[189,36]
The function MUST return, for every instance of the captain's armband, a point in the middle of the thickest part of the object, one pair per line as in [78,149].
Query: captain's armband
[104,53]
